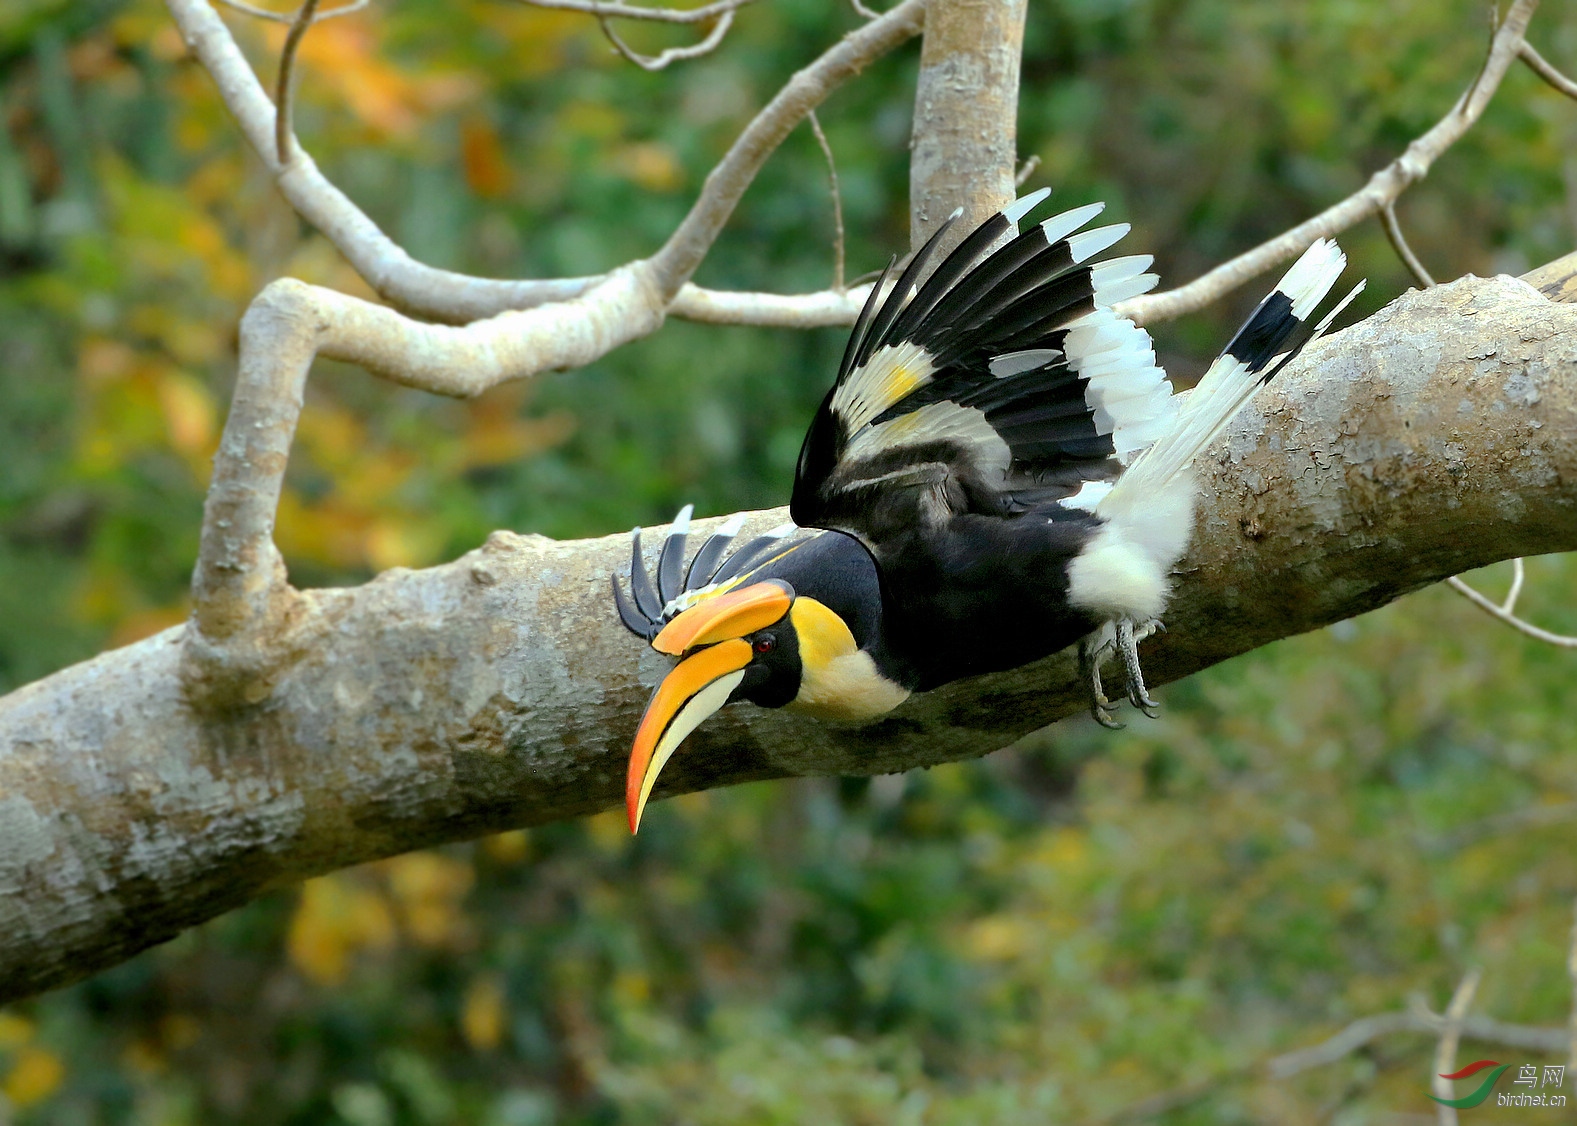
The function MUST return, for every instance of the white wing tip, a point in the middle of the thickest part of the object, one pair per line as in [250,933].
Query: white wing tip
[681,524]
[1087,244]
[1312,275]
[783,531]
[731,526]
[1022,206]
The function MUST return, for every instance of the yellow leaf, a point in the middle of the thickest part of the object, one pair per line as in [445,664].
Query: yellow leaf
[482,1018]
[508,848]
[189,412]
[334,920]
[997,938]
[651,165]
[429,887]
[35,1076]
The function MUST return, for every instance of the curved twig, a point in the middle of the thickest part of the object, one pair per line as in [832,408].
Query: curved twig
[445,295]
[283,130]
[837,203]
[290,17]
[668,54]
[1546,70]
[726,183]
[1393,231]
[1502,613]
[614,10]
[1026,170]
[1383,187]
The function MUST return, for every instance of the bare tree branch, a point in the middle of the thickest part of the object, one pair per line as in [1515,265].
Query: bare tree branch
[1527,817]
[837,204]
[682,253]
[290,17]
[1026,171]
[668,55]
[1393,231]
[1446,1050]
[965,143]
[1545,70]
[1503,612]
[459,298]
[1353,1038]
[611,10]
[284,135]
[499,690]
[1383,187]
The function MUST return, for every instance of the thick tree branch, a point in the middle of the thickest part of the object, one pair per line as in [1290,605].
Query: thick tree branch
[965,147]
[1382,190]
[499,690]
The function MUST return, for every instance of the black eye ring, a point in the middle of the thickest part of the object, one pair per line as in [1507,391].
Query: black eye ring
[766,643]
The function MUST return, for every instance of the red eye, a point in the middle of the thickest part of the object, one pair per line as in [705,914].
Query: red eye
[766,643]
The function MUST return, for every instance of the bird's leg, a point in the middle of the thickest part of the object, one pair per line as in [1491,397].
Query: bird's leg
[1128,647]
[1091,652]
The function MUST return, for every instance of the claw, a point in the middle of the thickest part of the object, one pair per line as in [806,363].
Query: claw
[1128,649]
[1090,653]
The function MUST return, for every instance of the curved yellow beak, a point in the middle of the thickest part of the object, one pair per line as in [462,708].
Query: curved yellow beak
[712,633]
[697,687]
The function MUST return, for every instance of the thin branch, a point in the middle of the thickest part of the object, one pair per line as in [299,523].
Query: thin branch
[619,11]
[1393,231]
[1504,615]
[837,203]
[290,17]
[1518,573]
[862,11]
[1546,70]
[1028,170]
[1383,187]
[684,250]
[283,131]
[1450,1036]
[1353,1038]
[668,54]
[1528,817]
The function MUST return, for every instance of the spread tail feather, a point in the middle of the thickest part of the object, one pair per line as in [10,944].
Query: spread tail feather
[1262,347]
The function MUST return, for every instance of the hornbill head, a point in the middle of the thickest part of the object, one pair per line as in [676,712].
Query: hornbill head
[736,646]
[740,631]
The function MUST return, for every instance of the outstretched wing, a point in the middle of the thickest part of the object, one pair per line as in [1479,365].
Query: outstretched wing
[653,602]
[1002,383]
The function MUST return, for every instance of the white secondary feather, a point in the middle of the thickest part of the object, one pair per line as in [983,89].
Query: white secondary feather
[1129,394]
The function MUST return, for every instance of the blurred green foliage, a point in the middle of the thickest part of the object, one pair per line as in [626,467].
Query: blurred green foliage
[1312,833]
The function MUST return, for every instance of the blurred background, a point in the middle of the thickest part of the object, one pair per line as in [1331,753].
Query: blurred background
[1326,828]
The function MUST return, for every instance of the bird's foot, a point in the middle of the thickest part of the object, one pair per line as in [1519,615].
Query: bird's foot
[1128,639]
[1092,651]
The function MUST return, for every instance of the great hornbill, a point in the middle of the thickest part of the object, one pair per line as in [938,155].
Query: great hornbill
[1000,470]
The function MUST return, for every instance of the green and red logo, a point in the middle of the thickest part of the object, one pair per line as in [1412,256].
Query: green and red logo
[1467,1102]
